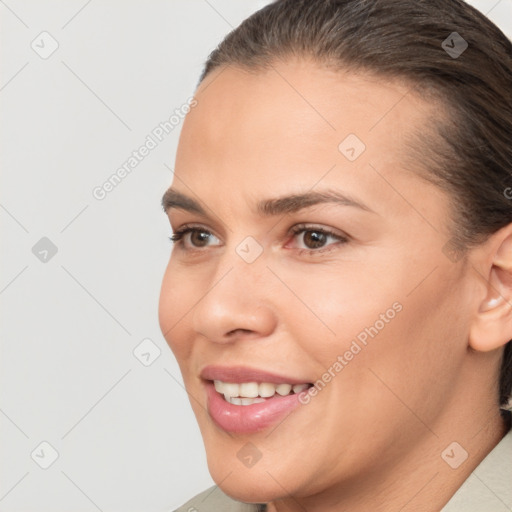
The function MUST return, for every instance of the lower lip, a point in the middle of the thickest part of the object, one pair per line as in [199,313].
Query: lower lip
[243,419]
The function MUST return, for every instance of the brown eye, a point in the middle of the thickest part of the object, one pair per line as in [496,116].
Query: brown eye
[199,238]
[190,237]
[314,239]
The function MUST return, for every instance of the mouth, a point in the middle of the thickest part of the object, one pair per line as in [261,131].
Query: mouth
[248,393]
[243,400]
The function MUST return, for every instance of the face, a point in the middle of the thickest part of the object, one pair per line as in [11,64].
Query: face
[312,257]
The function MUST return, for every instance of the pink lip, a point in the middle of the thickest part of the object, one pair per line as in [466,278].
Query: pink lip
[239,374]
[244,419]
[247,418]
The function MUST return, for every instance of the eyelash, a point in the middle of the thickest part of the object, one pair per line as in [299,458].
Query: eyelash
[177,237]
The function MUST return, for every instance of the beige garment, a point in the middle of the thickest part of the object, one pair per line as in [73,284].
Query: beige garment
[487,489]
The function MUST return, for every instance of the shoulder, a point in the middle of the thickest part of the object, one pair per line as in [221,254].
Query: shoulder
[214,500]
[488,487]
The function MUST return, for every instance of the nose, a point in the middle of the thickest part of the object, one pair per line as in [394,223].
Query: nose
[236,303]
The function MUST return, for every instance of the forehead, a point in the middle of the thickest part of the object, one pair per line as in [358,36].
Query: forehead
[294,125]
[304,88]
[302,105]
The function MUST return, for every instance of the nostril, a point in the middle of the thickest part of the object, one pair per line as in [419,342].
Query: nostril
[238,332]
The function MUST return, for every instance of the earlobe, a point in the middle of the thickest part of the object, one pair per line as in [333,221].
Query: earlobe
[492,325]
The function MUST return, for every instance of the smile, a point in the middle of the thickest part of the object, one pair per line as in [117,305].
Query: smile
[245,400]
[248,393]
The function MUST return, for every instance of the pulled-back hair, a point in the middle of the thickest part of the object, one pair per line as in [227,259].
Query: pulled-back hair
[467,148]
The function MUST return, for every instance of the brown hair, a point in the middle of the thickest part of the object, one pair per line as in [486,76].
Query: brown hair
[468,148]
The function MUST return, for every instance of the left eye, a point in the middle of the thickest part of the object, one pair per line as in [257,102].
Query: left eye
[315,238]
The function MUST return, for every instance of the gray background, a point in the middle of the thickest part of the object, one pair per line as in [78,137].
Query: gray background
[122,426]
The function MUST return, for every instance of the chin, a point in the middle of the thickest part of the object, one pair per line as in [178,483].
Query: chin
[249,485]
[251,491]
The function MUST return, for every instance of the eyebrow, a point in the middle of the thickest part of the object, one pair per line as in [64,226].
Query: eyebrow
[268,207]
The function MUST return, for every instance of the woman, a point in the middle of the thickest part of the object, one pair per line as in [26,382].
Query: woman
[339,295]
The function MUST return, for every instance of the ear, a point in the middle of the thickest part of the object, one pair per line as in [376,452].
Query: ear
[492,325]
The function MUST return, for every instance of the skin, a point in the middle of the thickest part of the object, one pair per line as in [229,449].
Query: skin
[372,439]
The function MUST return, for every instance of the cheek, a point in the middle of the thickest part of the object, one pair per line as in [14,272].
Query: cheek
[333,306]
[175,302]
[378,319]
[418,354]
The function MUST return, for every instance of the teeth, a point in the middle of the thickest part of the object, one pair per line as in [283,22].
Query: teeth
[249,389]
[299,387]
[249,401]
[244,401]
[283,389]
[228,389]
[266,389]
[254,391]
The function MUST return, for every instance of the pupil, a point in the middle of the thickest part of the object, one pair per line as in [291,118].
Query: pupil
[314,239]
[199,237]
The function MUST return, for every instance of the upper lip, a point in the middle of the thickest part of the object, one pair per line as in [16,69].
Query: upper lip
[239,374]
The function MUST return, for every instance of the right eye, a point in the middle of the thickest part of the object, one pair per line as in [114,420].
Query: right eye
[192,237]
